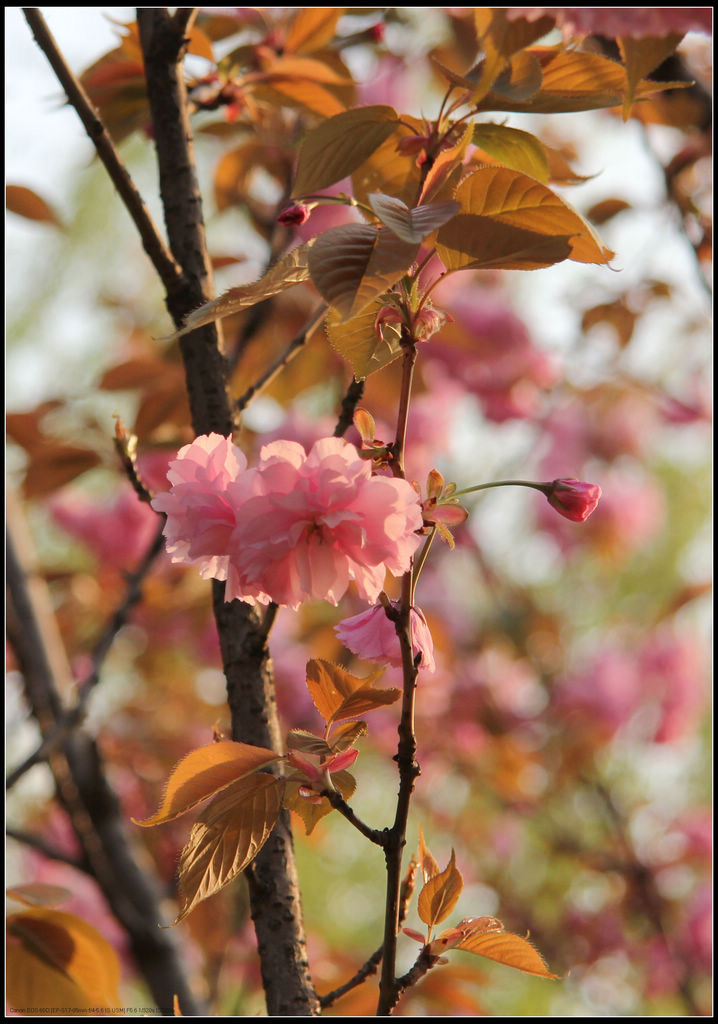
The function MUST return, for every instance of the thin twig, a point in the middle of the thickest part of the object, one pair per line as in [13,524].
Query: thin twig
[287,355]
[374,835]
[350,401]
[155,247]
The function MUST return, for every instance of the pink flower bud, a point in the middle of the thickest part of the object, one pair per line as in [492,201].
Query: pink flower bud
[295,214]
[573,499]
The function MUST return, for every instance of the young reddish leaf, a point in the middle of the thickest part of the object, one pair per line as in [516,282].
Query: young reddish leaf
[289,270]
[505,948]
[412,225]
[307,743]
[312,28]
[641,56]
[56,956]
[330,686]
[352,264]
[439,896]
[346,735]
[356,340]
[341,144]
[38,894]
[427,865]
[27,203]
[227,837]
[511,197]
[367,698]
[309,811]
[470,242]
[204,772]
[514,148]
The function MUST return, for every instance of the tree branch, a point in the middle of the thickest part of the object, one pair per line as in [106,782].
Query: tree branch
[273,883]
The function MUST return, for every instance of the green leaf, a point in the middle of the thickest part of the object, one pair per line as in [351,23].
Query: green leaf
[519,150]
[341,144]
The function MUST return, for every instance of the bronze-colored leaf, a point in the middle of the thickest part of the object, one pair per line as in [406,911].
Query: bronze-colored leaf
[312,28]
[27,203]
[440,894]
[640,57]
[481,243]
[58,956]
[205,772]
[330,686]
[339,145]
[427,865]
[227,837]
[352,264]
[356,340]
[514,148]
[508,949]
[412,225]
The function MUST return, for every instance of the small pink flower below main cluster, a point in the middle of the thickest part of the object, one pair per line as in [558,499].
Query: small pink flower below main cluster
[371,635]
[296,527]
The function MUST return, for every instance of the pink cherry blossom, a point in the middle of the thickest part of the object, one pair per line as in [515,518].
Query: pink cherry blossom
[371,635]
[320,521]
[209,479]
[622,21]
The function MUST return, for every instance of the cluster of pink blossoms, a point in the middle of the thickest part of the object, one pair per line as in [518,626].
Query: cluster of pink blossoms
[296,527]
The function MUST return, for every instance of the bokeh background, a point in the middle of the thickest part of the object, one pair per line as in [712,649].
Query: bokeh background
[564,739]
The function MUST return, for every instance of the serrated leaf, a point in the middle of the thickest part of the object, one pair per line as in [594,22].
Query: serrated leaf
[440,894]
[289,270]
[57,956]
[345,735]
[412,225]
[508,949]
[514,148]
[307,743]
[352,264]
[338,146]
[480,243]
[367,698]
[227,837]
[388,170]
[572,81]
[311,812]
[510,197]
[427,865]
[205,772]
[356,341]
[330,686]
[640,57]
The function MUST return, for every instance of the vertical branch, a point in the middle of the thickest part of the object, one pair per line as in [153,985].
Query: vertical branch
[273,883]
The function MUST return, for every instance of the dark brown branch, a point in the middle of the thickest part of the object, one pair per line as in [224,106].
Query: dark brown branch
[349,403]
[162,259]
[91,805]
[272,878]
[338,802]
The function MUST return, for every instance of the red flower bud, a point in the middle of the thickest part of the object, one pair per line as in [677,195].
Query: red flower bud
[295,214]
[573,499]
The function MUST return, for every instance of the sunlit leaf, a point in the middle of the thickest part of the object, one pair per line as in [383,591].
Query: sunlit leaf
[356,341]
[427,865]
[352,264]
[204,772]
[508,949]
[346,734]
[440,894]
[521,79]
[331,687]
[501,38]
[388,170]
[54,956]
[339,145]
[309,811]
[312,28]
[447,168]
[640,57]
[227,837]
[481,243]
[514,148]
[289,270]
[510,197]
[307,743]
[27,203]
